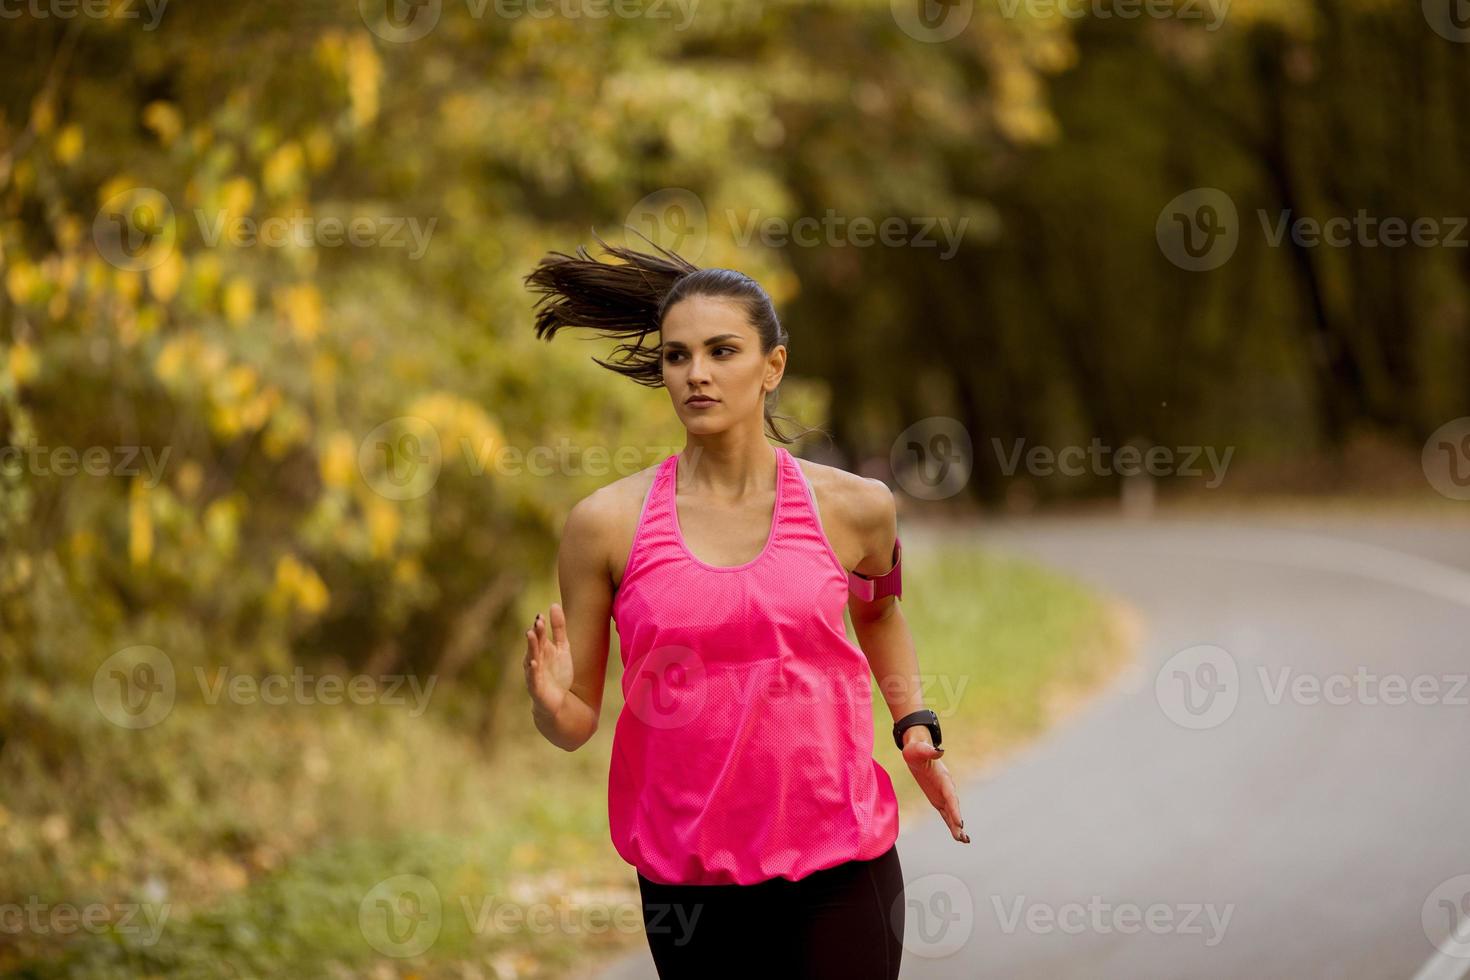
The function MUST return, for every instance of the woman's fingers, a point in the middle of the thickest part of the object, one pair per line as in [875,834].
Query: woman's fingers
[558,624]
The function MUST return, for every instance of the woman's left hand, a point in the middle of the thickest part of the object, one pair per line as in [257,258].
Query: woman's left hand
[923,761]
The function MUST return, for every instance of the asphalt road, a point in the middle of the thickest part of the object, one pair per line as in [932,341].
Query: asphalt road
[1279,788]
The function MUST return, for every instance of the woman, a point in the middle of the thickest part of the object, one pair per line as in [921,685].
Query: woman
[743,786]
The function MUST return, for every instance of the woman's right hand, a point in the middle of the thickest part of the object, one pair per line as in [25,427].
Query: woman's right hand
[548,661]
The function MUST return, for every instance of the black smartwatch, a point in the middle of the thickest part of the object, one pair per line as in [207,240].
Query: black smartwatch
[924,717]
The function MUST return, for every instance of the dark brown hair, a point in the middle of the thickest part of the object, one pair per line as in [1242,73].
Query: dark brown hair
[628,301]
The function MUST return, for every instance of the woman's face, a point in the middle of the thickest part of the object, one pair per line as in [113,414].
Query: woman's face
[710,349]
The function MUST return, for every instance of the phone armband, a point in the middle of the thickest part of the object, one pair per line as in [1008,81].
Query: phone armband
[889,583]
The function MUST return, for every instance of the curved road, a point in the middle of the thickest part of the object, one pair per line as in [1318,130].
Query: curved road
[1279,788]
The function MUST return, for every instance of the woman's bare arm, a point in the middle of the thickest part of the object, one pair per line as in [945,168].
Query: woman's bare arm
[567,649]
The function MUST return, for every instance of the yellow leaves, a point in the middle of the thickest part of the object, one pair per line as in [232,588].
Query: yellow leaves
[140,524]
[283,173]
[164,278]
[187,357]
[298,586]
[364,73]
[288,428]
[338,460]
[69,143]
[163,120]
[384,521]
[237,196]
[21,281]
[461,423]
[239,403]
[23,363]
[301,307]
[239,301]
[190,479]
[321,152]
[222,524]
[115,186]
[129,285]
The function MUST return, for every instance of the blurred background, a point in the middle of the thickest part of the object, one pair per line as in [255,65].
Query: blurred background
[273,421]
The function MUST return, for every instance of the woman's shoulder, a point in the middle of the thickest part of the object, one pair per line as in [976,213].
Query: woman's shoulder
[611,512]
[859,500]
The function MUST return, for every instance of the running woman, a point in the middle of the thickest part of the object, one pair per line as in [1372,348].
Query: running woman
[743,787]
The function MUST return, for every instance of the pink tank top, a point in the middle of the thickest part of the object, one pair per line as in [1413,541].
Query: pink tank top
[744,749]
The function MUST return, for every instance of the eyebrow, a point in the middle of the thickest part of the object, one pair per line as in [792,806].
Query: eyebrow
[710,342]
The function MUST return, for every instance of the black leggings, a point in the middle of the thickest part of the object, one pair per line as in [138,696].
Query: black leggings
[841,922]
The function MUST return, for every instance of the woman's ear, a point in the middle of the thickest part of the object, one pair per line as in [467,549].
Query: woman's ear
[775,368]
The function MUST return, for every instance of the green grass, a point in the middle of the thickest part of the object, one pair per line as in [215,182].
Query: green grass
[1005,642]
